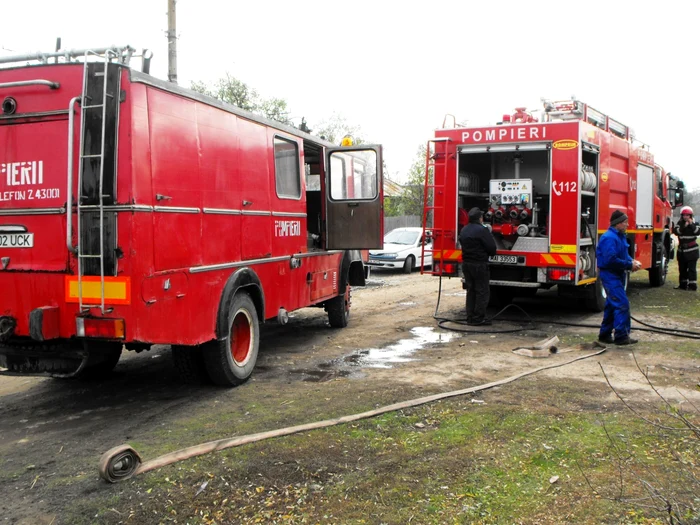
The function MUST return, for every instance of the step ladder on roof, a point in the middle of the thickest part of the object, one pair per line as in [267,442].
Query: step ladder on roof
[94,108]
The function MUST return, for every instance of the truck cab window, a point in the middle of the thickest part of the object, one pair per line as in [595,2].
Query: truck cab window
[287,180]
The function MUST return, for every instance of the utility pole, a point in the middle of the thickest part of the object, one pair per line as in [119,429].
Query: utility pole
[172,43]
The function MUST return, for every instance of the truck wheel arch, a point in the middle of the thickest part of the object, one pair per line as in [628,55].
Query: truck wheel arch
[352,270]
[242,279]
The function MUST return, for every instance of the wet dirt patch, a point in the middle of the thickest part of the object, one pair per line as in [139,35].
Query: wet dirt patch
[403,351]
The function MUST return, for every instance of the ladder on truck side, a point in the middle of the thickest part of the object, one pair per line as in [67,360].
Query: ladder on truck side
[433,204]
[93,74]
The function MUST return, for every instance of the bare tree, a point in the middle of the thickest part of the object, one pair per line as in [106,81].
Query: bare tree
[675,498]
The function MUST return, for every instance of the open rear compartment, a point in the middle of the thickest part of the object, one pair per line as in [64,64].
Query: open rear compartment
[510,185]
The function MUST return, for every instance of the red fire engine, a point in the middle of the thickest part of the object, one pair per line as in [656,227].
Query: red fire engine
[136,212]
[547,190]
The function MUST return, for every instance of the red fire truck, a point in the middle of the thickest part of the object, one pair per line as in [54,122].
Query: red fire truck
[135,212]
[547,189]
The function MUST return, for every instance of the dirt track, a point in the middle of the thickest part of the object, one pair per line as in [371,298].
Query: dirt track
[52,432]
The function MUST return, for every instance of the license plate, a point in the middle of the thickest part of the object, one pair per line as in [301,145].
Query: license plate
[504,259]
[16,240]
[374,261]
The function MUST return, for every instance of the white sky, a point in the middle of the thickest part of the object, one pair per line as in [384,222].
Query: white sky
[396,68]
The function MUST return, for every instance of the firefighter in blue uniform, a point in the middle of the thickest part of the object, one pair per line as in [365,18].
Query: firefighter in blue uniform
[477,244]
[687,231]
[612,254]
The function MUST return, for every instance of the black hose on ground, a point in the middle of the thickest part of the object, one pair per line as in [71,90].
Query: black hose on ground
[532,324]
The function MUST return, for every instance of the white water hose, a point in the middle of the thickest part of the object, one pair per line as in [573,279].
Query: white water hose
[122,462]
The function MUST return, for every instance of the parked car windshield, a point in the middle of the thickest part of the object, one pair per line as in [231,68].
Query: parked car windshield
[401,237]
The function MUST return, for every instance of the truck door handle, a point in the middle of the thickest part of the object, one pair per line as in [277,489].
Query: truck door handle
[247,203]
[353,204]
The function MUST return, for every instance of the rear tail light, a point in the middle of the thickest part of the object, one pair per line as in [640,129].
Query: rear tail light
[102,328]
[447,268]
[561,274]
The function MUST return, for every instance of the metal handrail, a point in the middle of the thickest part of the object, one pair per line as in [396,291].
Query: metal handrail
[69,197]
[125,52]
[36,82]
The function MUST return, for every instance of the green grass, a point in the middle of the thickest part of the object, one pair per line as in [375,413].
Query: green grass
[448,462]
[664,301]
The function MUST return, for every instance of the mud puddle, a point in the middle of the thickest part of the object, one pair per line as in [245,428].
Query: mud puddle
[402,351]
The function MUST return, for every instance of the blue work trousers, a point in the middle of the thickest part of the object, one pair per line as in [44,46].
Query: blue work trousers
[617,307]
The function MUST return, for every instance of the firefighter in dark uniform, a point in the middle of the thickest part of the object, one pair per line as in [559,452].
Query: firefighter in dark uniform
[687,231]
[477,245]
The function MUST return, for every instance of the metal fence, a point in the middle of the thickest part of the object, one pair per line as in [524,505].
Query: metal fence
[405,221]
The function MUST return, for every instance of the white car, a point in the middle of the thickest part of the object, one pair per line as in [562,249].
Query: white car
[402,249]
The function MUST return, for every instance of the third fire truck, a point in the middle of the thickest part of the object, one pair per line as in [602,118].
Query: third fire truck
[547,189]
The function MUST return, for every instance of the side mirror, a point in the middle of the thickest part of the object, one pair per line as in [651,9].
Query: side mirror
[678,197]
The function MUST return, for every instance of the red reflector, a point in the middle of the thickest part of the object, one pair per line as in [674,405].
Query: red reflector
[449,268]
[102,328]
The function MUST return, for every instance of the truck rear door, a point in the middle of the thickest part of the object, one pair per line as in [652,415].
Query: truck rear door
[41,124]
[33,159]
[354,198]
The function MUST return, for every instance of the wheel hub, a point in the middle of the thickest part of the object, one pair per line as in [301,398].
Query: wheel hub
[241,339]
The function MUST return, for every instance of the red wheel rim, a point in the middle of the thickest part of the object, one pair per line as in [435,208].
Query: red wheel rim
[241,338]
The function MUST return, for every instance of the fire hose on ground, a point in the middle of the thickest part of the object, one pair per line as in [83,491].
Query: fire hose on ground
[528,323]
[123,462]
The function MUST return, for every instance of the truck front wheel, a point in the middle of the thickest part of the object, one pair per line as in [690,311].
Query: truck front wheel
[338,309]
[230,361]
[657,273]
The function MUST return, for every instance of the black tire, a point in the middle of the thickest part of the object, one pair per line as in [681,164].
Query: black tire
[657,274]
[596,296]
[409,264]
[230,362]
[338,310]
[189,363]
[101,361]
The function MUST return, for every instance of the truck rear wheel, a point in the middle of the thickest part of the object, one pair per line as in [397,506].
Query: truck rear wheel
[338,309]
[230,361]
[657,274]
[596,296]
[101,359]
